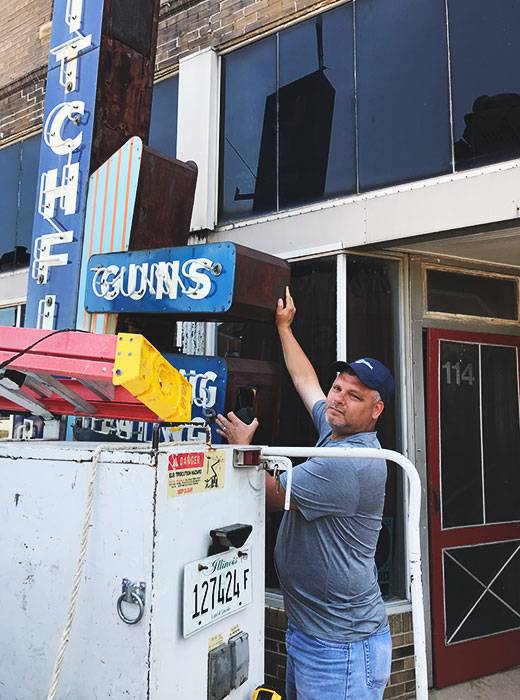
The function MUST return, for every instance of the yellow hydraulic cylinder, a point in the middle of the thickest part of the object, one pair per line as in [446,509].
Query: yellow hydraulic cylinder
[142,370]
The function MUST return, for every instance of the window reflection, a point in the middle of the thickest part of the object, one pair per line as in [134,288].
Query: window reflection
[248,138]
[402,91]
[297,127]
[316,109]
[491,132]
[163,121]
[485,81]
[12,315]
[18,176]
[293,140]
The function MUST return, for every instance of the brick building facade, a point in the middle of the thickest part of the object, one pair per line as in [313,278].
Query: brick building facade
[185,27]
[458,220]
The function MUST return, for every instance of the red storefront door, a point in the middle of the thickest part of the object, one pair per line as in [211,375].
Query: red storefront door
[474,503]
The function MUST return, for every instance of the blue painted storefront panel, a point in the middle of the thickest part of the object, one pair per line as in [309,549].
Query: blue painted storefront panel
[185,280]
[208,377]
[62,279]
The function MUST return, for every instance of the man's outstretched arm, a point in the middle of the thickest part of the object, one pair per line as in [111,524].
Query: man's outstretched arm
[301,371]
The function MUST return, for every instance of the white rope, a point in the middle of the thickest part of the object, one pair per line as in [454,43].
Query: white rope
[79,567]
[77,577]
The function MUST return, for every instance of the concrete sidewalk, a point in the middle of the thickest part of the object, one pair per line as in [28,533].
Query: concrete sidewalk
[500,686]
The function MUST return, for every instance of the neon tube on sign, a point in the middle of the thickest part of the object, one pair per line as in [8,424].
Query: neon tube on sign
[60,189]
[162,279]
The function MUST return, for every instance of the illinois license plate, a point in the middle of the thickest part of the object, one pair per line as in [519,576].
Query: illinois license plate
[216,587]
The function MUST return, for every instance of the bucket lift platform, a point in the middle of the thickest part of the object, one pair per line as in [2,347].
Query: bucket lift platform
[69,372]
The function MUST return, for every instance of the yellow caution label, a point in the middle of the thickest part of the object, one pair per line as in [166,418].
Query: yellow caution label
[142,370]
[195,472]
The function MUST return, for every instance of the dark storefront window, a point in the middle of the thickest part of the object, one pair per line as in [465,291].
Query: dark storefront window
[313,287]
[372,330]
[12,315]
[472,295]
[8,316]
[402,91]
[288,133]
[248,135]
[317,149]
[18,179]
[163,124]
[373,290]
[303,121]
[485,80]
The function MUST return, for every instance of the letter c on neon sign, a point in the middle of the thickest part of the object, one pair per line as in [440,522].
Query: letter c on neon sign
[54,126]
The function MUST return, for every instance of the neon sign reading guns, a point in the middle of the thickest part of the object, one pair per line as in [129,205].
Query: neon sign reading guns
[162,279]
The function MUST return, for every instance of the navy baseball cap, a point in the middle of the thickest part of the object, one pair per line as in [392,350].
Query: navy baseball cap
[372,373]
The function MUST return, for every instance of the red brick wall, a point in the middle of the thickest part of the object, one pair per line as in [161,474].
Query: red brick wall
[402,678]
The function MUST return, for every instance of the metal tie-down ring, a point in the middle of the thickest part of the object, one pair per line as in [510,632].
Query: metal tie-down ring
[134,593]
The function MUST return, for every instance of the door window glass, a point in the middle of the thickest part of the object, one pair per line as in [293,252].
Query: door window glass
[482,596]
[501,433]
[480,434]
[461,482]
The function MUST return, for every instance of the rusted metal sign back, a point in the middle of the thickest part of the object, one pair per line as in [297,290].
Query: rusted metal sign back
[125,77]
[165,194]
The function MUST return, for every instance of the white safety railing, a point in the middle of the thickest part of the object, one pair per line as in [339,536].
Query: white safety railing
[412,528]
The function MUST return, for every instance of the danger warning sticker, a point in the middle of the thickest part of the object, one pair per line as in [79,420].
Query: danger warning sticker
[195,472]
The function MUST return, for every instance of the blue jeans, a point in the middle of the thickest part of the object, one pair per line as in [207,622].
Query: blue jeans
[318,669]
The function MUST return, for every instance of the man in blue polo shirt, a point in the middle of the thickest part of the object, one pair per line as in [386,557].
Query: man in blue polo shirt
[338,640]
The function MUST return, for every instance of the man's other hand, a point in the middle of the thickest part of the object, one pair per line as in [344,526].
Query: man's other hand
[285,313]
[235,430]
